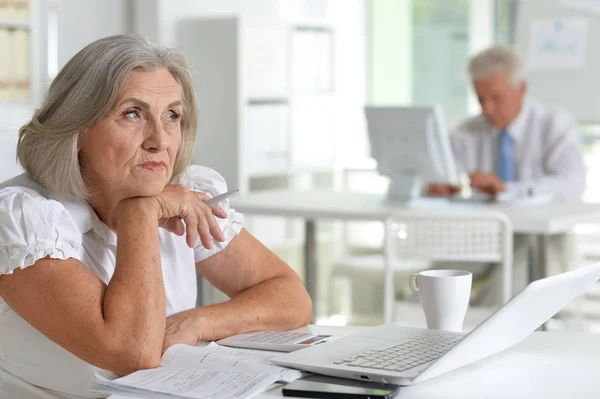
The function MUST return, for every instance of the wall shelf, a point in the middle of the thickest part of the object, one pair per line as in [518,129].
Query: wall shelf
[14,25]
[255,127]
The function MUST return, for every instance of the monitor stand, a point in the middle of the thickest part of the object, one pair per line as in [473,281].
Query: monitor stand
[405,188]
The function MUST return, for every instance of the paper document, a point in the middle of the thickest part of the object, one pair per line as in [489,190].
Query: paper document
[557,44]
[217,357]
[213,372]
[191,383]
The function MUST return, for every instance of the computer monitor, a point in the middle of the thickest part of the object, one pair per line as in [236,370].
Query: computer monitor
[411,147]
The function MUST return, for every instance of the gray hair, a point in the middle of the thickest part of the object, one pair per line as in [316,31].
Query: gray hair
[497,59]
[86,88]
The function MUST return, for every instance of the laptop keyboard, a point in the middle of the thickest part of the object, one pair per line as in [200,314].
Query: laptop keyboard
[418,350]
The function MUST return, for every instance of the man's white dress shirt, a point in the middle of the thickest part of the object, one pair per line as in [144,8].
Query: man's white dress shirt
[546,148]
[35,223]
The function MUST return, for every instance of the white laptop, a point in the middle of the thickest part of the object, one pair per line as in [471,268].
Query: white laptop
[404,356]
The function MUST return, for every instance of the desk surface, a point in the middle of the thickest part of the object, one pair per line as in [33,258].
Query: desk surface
[545,365]
[328,204]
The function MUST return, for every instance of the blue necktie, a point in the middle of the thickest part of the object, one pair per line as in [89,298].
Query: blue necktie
[506,162]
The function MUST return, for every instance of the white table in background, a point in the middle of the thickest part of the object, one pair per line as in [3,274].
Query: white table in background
[546,365]
[537,221]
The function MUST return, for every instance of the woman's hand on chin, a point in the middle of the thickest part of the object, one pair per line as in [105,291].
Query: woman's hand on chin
[177,204]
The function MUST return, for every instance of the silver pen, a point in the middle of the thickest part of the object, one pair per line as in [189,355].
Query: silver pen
[221,197]
[215,200]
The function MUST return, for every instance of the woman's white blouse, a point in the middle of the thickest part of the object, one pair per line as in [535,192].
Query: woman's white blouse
[35,223]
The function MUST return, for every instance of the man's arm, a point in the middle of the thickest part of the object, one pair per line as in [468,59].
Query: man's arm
[445,189]
[563,166]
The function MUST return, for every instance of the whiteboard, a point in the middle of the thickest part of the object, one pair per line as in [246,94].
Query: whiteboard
[576,89]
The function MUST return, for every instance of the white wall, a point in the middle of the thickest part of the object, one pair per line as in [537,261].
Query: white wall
[11,118]
[83,21]
[157,20]
[349,18]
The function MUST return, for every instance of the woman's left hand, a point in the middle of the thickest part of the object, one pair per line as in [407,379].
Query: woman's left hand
[181,328]
[203,216]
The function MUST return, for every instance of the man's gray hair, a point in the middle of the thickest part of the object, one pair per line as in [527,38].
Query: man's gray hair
[86,88]
[497,59]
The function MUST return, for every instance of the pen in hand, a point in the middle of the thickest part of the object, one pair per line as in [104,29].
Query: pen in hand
[215,200]
[221,197]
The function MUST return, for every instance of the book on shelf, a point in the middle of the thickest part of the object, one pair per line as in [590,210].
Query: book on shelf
[20,65]
[5,61]
[14,65]
[14,12]
[17,10]
[213,371]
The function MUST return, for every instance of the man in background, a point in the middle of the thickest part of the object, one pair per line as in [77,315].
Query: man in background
[515,143]
[518,145]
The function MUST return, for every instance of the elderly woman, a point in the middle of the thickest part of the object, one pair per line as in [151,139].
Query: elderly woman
[100,236]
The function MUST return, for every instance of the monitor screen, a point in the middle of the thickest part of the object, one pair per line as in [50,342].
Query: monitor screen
[411,142]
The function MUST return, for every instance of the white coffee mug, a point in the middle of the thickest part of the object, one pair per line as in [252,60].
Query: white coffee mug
[444,295]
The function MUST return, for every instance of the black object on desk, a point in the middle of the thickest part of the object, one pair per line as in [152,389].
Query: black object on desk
[338,388]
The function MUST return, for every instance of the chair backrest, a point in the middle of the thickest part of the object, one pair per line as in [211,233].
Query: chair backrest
[467,235]
[438,235]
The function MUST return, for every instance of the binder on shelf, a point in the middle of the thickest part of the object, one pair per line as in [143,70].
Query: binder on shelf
[12,65]
[10,11]
[4,11]
[21,11]
[21,65]
[14,11]
[4,65]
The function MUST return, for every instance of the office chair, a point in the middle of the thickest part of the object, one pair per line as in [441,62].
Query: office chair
[414,239]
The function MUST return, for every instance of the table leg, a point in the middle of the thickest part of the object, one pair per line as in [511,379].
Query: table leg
[388,282]
[538,250]
[310,262]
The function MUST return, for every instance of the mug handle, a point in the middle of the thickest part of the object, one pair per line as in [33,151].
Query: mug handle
[412,282]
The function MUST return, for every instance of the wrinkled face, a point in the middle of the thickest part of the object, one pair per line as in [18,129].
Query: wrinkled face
[131,150]
[500,100]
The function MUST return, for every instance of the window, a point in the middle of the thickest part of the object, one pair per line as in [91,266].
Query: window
[419,49]
[505,19]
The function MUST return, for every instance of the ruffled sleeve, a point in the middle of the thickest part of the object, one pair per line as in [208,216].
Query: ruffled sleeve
[206,180]
[33,227]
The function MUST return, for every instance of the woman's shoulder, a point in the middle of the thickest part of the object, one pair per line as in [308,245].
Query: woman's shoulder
[33,226]
[202,178]
[21,194]
[23,183]
[22,198]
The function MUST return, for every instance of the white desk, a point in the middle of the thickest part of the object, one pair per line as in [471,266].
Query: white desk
[538,221]
[546,365]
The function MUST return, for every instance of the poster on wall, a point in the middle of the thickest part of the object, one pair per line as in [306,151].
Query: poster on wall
[557,44]
[582,5]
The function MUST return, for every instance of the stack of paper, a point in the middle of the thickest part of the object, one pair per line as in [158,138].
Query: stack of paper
[193,372]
